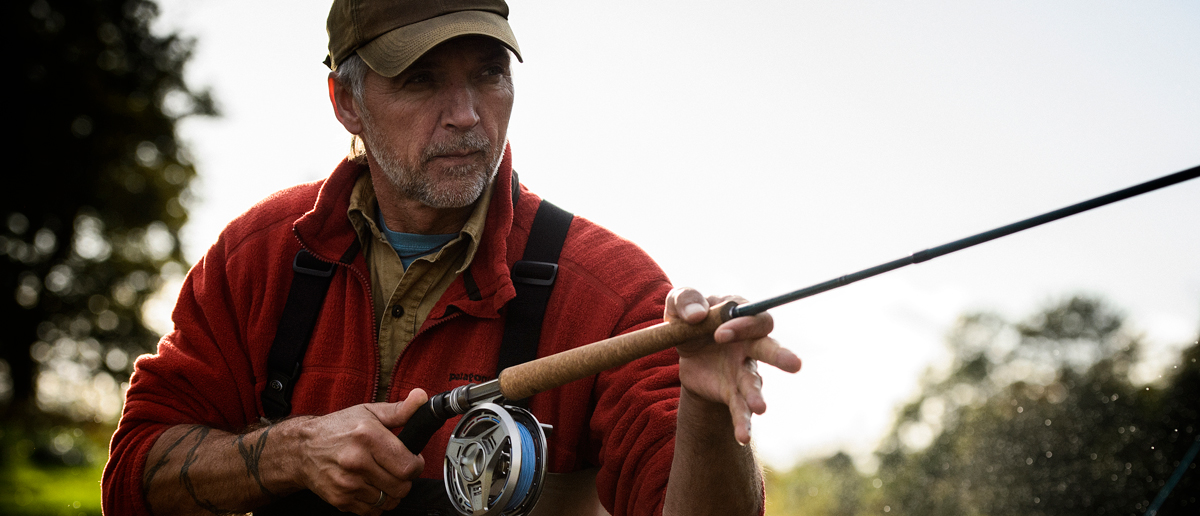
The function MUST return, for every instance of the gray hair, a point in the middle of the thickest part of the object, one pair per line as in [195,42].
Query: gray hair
[351,73]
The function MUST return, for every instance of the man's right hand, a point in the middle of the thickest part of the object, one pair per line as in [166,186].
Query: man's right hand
[350,458]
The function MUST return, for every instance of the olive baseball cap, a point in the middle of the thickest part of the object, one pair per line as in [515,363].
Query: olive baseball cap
[390,35]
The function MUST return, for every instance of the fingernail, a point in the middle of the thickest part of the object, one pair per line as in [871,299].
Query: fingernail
[692,309]
[723,336]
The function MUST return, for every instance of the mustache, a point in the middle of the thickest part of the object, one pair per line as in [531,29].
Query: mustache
[464,144]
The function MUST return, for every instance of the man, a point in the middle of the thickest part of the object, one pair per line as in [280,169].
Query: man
[423,223]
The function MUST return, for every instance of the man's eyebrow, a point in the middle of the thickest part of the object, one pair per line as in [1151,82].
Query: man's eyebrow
[422,64]
[497,53]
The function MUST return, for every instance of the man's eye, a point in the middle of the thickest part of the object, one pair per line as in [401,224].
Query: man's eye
[418,79]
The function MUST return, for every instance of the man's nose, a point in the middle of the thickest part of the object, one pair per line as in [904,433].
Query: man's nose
[460,111]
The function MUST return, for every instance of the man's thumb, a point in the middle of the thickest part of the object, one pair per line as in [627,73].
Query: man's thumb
[394,415]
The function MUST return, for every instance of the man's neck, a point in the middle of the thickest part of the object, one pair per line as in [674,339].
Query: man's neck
[404,214]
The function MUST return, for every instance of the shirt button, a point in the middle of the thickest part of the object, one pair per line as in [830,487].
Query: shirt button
[397,311]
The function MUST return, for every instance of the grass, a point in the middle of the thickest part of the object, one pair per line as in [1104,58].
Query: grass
[51,472]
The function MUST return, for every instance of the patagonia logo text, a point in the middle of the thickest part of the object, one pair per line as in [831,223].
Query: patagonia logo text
[469,377]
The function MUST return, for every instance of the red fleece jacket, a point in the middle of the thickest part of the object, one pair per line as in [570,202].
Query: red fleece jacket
[212,368]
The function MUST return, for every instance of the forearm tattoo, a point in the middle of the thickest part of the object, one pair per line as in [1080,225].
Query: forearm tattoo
[148,476]
[200,432]
[251,455]
[186,479]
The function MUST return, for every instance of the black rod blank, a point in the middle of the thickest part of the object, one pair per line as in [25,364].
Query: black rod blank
[958,245]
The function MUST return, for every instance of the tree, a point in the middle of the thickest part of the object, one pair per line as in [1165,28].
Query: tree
[1042,418]
[90,219]
[825,487]
[1033,418]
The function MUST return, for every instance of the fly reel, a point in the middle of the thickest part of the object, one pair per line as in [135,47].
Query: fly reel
[495,461]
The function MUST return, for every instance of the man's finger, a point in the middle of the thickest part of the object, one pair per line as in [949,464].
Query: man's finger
[740,414]
[687,304]
[394,498]
[394,415]
[390,499]
[354,501]
[744,328]
[769,351]
[382,465]
[395,466]
[750,387]
[396,484]
[369,496]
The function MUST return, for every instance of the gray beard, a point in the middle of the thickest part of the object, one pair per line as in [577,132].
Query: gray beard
[414,182]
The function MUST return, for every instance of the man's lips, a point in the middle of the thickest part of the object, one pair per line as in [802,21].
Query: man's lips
[456,154]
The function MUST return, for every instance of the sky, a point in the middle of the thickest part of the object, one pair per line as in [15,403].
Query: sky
[762,148]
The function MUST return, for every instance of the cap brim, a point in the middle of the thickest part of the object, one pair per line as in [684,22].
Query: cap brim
[391,53]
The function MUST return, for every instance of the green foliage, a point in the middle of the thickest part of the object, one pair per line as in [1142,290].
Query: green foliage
[830,487]
[1033,418]
[91,219]
[52,470]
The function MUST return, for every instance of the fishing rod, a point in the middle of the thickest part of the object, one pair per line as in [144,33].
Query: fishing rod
[973,240]
[496,458]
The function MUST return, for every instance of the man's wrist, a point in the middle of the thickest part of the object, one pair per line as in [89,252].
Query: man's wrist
[705,444]
[704,419]
[282,471]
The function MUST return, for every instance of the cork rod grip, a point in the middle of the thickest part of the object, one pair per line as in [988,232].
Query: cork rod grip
[525,380]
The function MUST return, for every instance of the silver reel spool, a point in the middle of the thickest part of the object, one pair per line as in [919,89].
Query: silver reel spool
[495,462]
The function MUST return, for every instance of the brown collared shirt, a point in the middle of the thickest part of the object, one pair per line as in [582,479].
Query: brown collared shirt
[403,298]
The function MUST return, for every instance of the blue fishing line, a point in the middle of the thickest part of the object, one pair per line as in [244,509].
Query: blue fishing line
[525,479]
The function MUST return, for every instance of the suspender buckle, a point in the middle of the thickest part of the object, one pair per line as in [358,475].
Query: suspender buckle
[277,396]
[534,273]
[306,263]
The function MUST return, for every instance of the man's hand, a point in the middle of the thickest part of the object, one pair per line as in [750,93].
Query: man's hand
[347,458]
[724,369]
[350,457]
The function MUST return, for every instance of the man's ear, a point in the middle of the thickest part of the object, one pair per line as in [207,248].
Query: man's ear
[344,107]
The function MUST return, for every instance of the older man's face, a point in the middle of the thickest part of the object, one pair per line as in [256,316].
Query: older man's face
[438,129]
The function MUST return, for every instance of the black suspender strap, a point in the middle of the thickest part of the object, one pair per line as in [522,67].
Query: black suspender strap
[300,311]
[533,277]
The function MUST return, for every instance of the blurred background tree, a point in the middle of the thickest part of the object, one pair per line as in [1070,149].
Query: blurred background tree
[1034,418]
[89,221]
